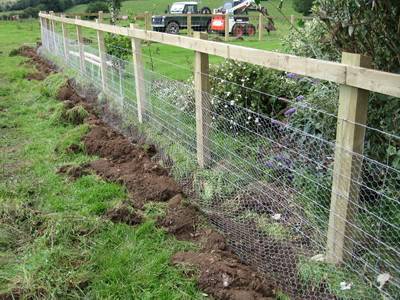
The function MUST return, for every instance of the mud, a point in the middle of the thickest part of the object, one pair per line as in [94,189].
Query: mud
[219,272]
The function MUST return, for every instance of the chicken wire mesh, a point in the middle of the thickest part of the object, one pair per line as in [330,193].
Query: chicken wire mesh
[269,183]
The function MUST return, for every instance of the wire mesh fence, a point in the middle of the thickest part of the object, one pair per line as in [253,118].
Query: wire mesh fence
[270,180]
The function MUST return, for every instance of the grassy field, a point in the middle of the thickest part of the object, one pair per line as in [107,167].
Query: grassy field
[177,63]
[54,242]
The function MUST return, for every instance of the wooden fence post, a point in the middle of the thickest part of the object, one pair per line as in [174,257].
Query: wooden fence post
[189,24]
[261,27]
[226,27]
[42,28]
[102,53]
[146,20]
[65,38]
[203,106]
[352,117]
[293,20]
[139,76]
[79,37]
[53,32]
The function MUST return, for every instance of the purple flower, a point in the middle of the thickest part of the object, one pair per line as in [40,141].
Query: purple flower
[290,112]
[291,75]
[276,122]
[269,164]
[300,98]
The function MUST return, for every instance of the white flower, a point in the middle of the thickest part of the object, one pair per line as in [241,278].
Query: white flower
[382,279]
[345,286]
[232,102]
[276,217]
[318,258]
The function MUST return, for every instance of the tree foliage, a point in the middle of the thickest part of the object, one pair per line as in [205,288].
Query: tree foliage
[48,5]
[303,6]
[367,27]
[97,6]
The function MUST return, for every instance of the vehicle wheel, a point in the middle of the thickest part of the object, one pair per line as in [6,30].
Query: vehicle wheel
[238,30]
[250,30]
[172,28]
[206,11]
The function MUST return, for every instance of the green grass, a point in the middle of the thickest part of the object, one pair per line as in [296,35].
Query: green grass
[54,242]
[315,274]
[177,63]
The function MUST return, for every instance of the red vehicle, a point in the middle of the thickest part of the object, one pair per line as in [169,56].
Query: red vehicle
[238,24]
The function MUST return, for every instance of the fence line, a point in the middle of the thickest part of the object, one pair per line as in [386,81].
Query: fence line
[263,167]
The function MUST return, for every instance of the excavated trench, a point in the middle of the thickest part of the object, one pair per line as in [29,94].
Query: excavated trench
[219,272]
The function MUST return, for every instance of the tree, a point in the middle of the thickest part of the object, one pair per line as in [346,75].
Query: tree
[114,6]
[303,6]
[97,6]
[365,27]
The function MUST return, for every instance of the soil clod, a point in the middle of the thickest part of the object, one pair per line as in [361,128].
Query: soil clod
[124,213]
[73,172]
[225,277]
[181,222]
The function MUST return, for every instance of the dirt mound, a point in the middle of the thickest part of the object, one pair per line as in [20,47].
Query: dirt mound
[35,76]
[224,277]
[124,213]
[73,172]
[130,165]
[220,273]
[210,241]
[181,221]
[44,67]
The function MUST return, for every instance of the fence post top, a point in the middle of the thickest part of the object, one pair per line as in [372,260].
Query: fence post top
[356,59]
[200,35]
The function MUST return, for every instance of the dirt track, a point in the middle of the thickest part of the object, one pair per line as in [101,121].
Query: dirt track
[220,273]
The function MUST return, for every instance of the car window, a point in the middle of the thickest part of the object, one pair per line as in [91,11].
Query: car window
[190,9]
[227,5]
[177,7]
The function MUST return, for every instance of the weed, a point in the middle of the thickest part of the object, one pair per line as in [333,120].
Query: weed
[323,274]
[76,115]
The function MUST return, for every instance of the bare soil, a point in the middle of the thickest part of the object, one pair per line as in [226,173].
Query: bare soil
[44,68]
[220,273]
[124,213]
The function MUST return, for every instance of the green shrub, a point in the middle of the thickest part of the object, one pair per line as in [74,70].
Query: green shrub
[303,6]
[117,45]
[94,7]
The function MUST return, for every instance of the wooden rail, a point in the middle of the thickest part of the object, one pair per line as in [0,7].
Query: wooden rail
[353,75]
[341,73]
